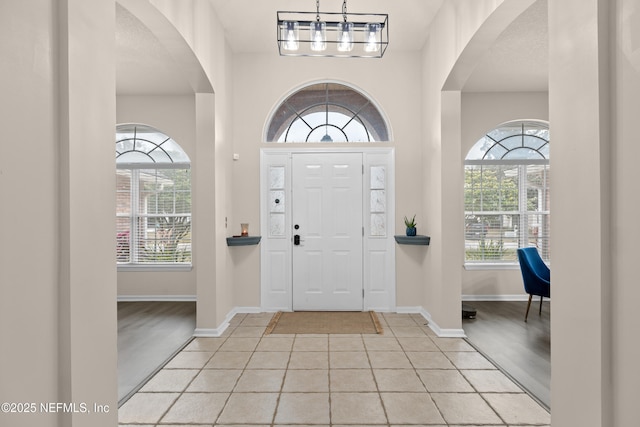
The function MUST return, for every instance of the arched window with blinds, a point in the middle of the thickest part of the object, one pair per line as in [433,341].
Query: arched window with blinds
[507,193]
[153,199]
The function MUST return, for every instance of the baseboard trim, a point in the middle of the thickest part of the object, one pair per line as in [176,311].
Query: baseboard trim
[409,309]
[515,297]
[216,332]
[244,310]
[440,332]
[156,298]
[210,333]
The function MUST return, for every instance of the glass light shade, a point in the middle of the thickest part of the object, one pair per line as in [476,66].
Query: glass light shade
[345,36]
[318,32]
[290,35]
[372,38]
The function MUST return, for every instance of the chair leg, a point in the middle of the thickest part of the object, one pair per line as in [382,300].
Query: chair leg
[528,305]
[540,311]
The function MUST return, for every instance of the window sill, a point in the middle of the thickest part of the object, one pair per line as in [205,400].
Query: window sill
[492,266]
[155,267]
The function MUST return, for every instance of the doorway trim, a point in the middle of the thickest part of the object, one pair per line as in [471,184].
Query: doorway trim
[378,211]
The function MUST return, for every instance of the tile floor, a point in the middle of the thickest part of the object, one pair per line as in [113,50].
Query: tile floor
[407,376]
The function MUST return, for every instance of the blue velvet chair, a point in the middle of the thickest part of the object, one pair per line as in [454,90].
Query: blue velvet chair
[535,275]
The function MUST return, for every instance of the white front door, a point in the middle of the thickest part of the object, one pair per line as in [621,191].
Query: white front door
[327,230]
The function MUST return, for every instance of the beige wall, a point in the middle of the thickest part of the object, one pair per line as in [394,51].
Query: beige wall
[29,295]
[198,24]
[251,112]
[594,87]
[482,112]
[625,205]
[448,58]
[174,116]
[392,82]
[581,323]
[63,347]
[594,90]
[57,278]
[87,336]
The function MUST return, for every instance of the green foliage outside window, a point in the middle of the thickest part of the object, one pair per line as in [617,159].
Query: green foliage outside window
[493,216]
[491,189]
[490,250]
[168,235]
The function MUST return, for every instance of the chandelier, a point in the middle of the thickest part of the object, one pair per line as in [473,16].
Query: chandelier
[332,34]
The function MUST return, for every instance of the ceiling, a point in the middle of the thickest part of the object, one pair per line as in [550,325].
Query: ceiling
[409,20]
[143,64]
[517,61]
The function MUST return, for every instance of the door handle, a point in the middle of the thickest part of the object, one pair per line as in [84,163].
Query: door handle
[296,240]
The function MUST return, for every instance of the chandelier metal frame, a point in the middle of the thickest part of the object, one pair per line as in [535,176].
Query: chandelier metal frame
[332,34]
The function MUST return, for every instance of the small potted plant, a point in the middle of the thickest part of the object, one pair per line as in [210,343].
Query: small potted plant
[411,226]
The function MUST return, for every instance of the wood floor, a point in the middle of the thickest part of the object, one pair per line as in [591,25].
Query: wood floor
[522,350]
[149,334]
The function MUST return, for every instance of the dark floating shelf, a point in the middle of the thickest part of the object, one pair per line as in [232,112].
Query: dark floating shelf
[412,240]
[243,240]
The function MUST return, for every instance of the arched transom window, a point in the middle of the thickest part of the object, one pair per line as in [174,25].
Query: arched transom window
[327,112]
[137,143]
[153,198]
[507,193]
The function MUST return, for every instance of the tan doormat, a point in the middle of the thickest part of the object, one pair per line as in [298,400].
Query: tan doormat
[324,322]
